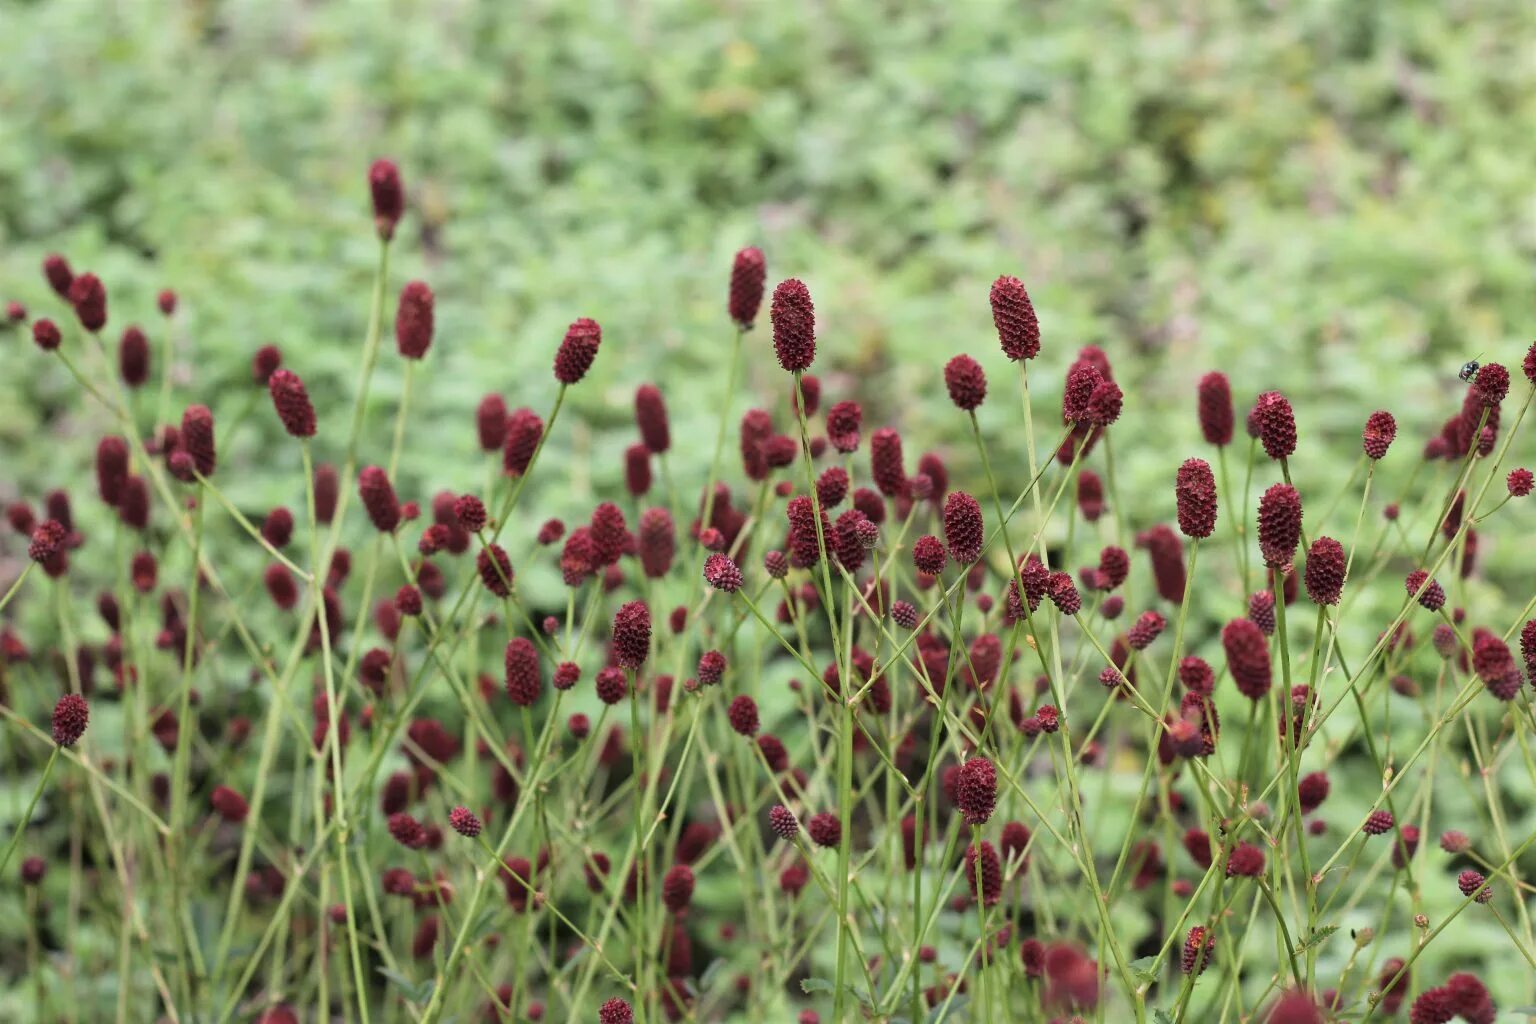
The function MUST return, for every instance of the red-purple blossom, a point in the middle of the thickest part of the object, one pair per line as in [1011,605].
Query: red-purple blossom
[794,325]
[1194,492]
[414,320]
[749,275]
[1018,329]
[577,350]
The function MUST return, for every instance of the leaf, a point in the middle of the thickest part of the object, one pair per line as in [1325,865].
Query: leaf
[810,986]
[1317,937]
[415,991]
[1144,968]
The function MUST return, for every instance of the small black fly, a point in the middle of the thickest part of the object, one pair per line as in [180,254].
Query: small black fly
[1469,370]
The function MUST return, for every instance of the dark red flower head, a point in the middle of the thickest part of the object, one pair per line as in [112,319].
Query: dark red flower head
[1491,385]
[407,831]
[60,276]
[378,497]
[632,635]
[1245,861]
[111,468]
[1104,404]
[886,467]
[89,297]
[843,422]
[928,555]
[615,1011]
[1214,404]
[292,403]
[782,821]
[495,569]
[794,325]
[966,381]
[976,790]
[1090,495]
[1198,947]
[984,872]
[1380,430]
[1433,596]
[1520,482]
[522,432]
[266,361]
[1279,524]
[1325,571]
[388,196]
[1276,424]
[1194,491]
[824,829]
[749,274]
[1082,378]
[413,320]
[524,680]
[491,422]
[464,821]
[48,539]
[133,357]
[656,542]
[70,717]
[1167,554]
[1018,329]
[197,438]
[651,418]
[963,527]
[722,573]
[742,714]
[577,350]
[1247,657]
[228,804]
[45,334]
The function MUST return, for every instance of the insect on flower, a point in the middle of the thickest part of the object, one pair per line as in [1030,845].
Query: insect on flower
[1469,370]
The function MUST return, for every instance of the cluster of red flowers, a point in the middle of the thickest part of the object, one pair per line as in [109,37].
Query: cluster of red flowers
[923,636]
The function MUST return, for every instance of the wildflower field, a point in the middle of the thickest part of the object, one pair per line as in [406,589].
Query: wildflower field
[909,522]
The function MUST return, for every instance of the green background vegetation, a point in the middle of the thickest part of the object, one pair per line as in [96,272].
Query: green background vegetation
[1328,197]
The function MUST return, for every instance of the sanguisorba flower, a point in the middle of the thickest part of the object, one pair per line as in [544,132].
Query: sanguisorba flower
[89,297]
[577,350]
[1194,492]
[45,334]
[722,573]
[966,381]
[1380,430]
[388,196]
[1214,406]
[749,275]
[1276,424]
[524,680]
[794,325]
[1491,385]
[963,527]
[1279,524]
[1325,571]
[133,357]
[59,275]
[1018,328]
[651,419]
[197,438]
[71,714]
[843,422]
[885,460]
[464,821]
[111,468]
[378,497]
[615,1011]
[48,539]
[292,403]
[632,635]
[976,790]
[414,319]
[1247,652]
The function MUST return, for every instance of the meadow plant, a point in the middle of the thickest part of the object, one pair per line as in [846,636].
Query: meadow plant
[814,729]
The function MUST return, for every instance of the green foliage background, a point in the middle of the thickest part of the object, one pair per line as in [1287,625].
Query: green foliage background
[1328,197]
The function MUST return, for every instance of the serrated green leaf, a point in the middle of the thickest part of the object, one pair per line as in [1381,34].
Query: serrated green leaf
[1317,937]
